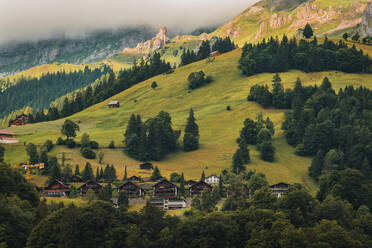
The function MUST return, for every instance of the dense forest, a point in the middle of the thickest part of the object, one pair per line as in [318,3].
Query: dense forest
[105,88]
[38,93]
[309,56]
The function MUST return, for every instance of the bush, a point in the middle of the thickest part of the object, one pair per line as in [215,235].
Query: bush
[154,85]
[111,145]
[198,79]
[48,145]
[88,153]
[70,143]
[60,142]
[93,145]
[300,150]
[228,108]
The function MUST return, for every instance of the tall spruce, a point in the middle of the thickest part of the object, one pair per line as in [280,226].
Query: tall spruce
[125,174]
[241,157]
[191,137]
[87,173]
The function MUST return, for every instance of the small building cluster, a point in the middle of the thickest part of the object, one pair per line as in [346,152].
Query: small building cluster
[20,120]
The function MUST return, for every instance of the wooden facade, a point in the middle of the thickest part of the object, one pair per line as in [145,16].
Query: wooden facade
[165,189]
[197,188]
[76,179]
[20,120]
[146,166]
[57,189]
[114,104]
[279,189]
[96,187]
[131,189]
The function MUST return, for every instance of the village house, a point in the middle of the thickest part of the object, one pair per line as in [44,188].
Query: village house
[169,204]
[76,179]
[57,189]
[165,189]
[96,187]
[114,104]
[215,54]
[197,188]
[280,189]
[134,179]
[190,182]
[146,166]
[212,179]
[131,190]
[20,120]
[7,137]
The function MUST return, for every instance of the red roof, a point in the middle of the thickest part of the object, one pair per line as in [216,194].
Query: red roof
[6,131]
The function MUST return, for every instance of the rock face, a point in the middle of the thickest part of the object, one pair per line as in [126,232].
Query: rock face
[159,41]
[366,24]
[99,45]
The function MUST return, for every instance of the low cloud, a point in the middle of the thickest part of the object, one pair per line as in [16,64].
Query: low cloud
[22,20]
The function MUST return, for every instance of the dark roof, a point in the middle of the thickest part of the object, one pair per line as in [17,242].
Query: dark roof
[201,184]
[164,181]
[128,183]
[64,185]
[280,184]
[90,182]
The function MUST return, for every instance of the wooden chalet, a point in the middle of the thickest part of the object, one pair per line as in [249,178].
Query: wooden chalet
[212,179]
[165,189]
[131,190]
[96,187]
[114,104]
[57,189]
[76,179]
[197,188]
[168,204]
[279,189]
[20,120]
[215,54]
[146,166]
[7,136]
[190,182]
[134,179]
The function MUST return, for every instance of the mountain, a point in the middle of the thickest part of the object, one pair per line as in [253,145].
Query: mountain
[91,48]
[277,17]
[366,25]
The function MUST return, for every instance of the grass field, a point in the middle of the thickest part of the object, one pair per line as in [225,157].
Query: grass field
[218,128]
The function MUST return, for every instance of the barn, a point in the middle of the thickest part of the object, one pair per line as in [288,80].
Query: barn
[114,104]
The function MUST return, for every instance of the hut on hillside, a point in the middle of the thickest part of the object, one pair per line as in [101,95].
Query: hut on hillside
[114,104]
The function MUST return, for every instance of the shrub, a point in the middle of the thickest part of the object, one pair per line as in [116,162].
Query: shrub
[60,142]
[93,145]
[88,153]
[111,145]
[300,150]
[228,108]
[70,143]
[154,85]
[198,79]
[48,145]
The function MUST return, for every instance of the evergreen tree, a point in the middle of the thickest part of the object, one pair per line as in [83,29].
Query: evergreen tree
[202,179]
[182,184]
[156,175]
[55,173]
[123,200]
[101,174]
[32,153]
[308,31]
[67,173]
[191,137]
[97,174]
[77,171]
[278,92]
[240,158]
[345,36]
[267,151]
[249,132]
[87,173]
[220,186]
[125,174]
[204,50]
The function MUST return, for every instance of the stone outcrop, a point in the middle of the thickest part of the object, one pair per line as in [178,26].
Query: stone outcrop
[366,24]
[159,41]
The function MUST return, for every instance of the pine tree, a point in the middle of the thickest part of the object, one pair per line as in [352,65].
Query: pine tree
[267,151]
[220,186]
[156,175]
[87,173]
[101,174]
[240,158]
[55,173]
[32,153]
[316,167]
[204,50]
[191,137]
[202,179]
[77,171]
[278,92]
[125,174]
[308,31]
[182,184]
[123,200]
[97,174]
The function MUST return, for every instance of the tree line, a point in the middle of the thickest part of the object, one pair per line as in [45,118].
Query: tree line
[38,93]
[280,56]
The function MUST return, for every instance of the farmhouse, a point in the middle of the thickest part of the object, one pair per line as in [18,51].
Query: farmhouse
[57,189]
[7,137]
[96,187]
[197,188]
[215,54]
[114,104]
[279,189]
[165,189]
[168,204]
[19,120]
[131,189]
[134,179]
[146,166]
[212,179]
[76,179]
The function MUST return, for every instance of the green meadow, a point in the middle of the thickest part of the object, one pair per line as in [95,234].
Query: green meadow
[218,127]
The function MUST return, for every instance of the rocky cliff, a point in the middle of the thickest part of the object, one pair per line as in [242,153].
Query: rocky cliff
[159,41]
[96,46]
[366,25]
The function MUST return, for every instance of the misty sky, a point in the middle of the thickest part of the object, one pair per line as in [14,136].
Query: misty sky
[36,19]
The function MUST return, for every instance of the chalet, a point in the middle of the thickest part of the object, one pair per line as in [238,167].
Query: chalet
[212,179]
[190,182]
[20,120]
[7,137]
[134,179]
[131,189]
[57,189]
[157,202]
[168,204]
[279,189]
[215,54]
[197,188]
[165,189]
[146,166]
[96,187]
[114,104]
[76,179]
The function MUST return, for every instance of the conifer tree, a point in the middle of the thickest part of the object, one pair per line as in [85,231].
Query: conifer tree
[202,179]
[267,151]
[182,184]
[87,173]
[55,173]
[125,174]
[241,157]
[156,174]
[278,92]
[316,167]
[308,31]
[204,50]
[77,171]
[191,137]
[97,174]
[32,153]
[220,186]
[101,174]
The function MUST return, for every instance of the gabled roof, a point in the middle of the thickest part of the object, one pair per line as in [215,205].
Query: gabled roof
[164,181]
[280,184]
[113,102]
[213,175]
[129,183]
[64,185]
[201,184]
[6,132]
[90,182]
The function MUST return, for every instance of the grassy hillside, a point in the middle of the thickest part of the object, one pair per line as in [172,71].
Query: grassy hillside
[218,128]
